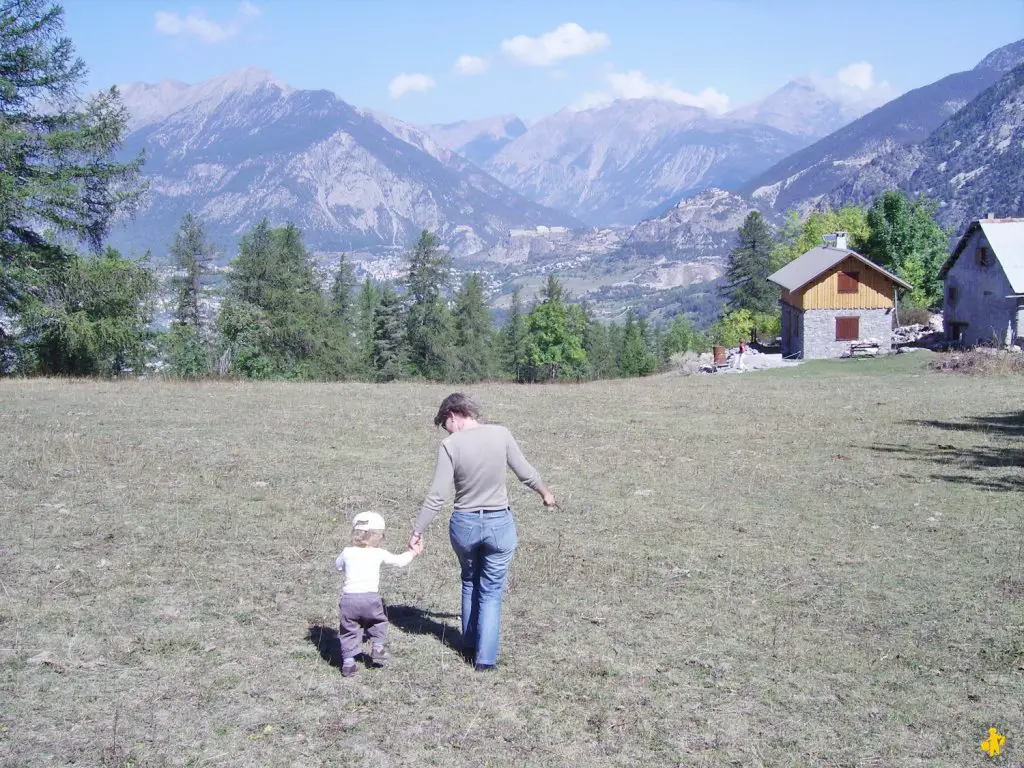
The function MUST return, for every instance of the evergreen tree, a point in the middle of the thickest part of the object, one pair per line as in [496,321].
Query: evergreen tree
[745,285]
[59,178]
[367,301]
[473,347]
[95,321]
[191,254]
[515,341]
[343,290]
[601,355]
[390,351]
[429,323]
[275,302]
[906,240]
[635,359]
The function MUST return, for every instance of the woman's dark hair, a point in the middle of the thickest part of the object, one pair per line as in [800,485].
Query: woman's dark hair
[458,403]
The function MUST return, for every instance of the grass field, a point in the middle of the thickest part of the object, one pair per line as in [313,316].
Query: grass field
[814,566]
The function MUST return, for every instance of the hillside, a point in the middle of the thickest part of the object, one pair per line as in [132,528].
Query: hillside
[971,164]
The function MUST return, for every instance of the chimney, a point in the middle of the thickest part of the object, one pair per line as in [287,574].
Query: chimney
[990,216]
[836,240]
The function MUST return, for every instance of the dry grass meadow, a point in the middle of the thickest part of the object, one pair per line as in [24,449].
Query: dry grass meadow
[813,566]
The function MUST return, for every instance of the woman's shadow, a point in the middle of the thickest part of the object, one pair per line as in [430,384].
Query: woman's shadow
[407,618]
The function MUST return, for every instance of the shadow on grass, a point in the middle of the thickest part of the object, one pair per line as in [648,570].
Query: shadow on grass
[1007,454]
[327,643]
[417,621]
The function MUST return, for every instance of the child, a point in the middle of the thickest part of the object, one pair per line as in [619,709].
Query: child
[360,605]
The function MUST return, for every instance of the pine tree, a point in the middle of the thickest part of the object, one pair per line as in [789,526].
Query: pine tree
[596,343]
[745,285]
[635,359]
[59,177]
[191,254]
[515,341]
[473,342]
[367,301]
[390,352]
[342,291]
[429,322]
[275,305]
[96,320]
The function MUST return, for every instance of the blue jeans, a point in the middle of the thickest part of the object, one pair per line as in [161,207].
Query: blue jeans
[484,543]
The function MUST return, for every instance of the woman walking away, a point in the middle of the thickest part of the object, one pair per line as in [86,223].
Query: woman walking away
[473,458]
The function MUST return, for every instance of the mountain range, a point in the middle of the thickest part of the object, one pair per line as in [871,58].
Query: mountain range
[664,184]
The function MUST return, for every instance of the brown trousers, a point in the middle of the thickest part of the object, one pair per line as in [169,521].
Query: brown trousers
[361,611]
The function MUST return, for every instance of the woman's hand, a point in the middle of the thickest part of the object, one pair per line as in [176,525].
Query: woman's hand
[416,543]
[548,498]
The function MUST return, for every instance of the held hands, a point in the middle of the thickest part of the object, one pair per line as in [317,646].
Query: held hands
[549,499]
[416,543]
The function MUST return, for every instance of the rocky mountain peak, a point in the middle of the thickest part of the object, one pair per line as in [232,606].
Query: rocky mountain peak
[149,103]
[1004,59]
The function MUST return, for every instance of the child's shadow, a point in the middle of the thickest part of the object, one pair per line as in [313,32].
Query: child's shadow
[417,621]
[407,618]
[327,643]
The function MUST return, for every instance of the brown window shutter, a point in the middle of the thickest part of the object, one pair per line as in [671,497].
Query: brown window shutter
[849,282]
[847,328]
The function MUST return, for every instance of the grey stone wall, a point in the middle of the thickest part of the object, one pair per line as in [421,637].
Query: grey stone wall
[979,296]
[818,333]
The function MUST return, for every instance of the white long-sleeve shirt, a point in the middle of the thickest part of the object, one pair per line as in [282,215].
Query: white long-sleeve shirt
[362,567]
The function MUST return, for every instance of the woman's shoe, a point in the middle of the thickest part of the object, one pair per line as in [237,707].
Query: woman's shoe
[485,667]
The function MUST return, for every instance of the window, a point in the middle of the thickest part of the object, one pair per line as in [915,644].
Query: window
[982,256]
[848,328]
[951,294]
[849,282]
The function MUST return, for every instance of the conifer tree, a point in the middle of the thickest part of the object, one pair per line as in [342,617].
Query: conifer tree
[745,285]
[635,359]
[429,322]
[390,351]
[367,301]
[191,254]
[473,333]
[515,341]
[60,179]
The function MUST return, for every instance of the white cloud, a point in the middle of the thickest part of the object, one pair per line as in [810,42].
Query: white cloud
[197,24]
[410,82]
[471,65]
[635,85]
[855,84]
[563,42]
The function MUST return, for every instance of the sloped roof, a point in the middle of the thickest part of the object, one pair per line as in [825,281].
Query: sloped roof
[801,270]
[1006,239]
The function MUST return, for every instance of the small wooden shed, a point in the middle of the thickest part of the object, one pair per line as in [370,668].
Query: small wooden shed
[832,299]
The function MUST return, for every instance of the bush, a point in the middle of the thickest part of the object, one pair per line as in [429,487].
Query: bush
[913,314]
[980,361]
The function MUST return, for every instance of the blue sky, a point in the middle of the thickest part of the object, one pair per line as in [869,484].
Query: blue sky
[533,58]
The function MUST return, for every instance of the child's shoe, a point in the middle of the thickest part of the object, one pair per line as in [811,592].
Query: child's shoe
[348,667]
[379,656]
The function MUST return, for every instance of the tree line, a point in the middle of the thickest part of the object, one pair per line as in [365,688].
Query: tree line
[277,322]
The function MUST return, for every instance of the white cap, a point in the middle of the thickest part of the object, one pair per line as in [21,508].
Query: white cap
[368,521]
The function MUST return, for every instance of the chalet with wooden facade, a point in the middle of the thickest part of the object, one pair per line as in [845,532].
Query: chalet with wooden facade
[983,300]
[832,299]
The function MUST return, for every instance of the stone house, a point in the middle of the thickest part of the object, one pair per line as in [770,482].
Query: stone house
[833,297]
[983,299]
